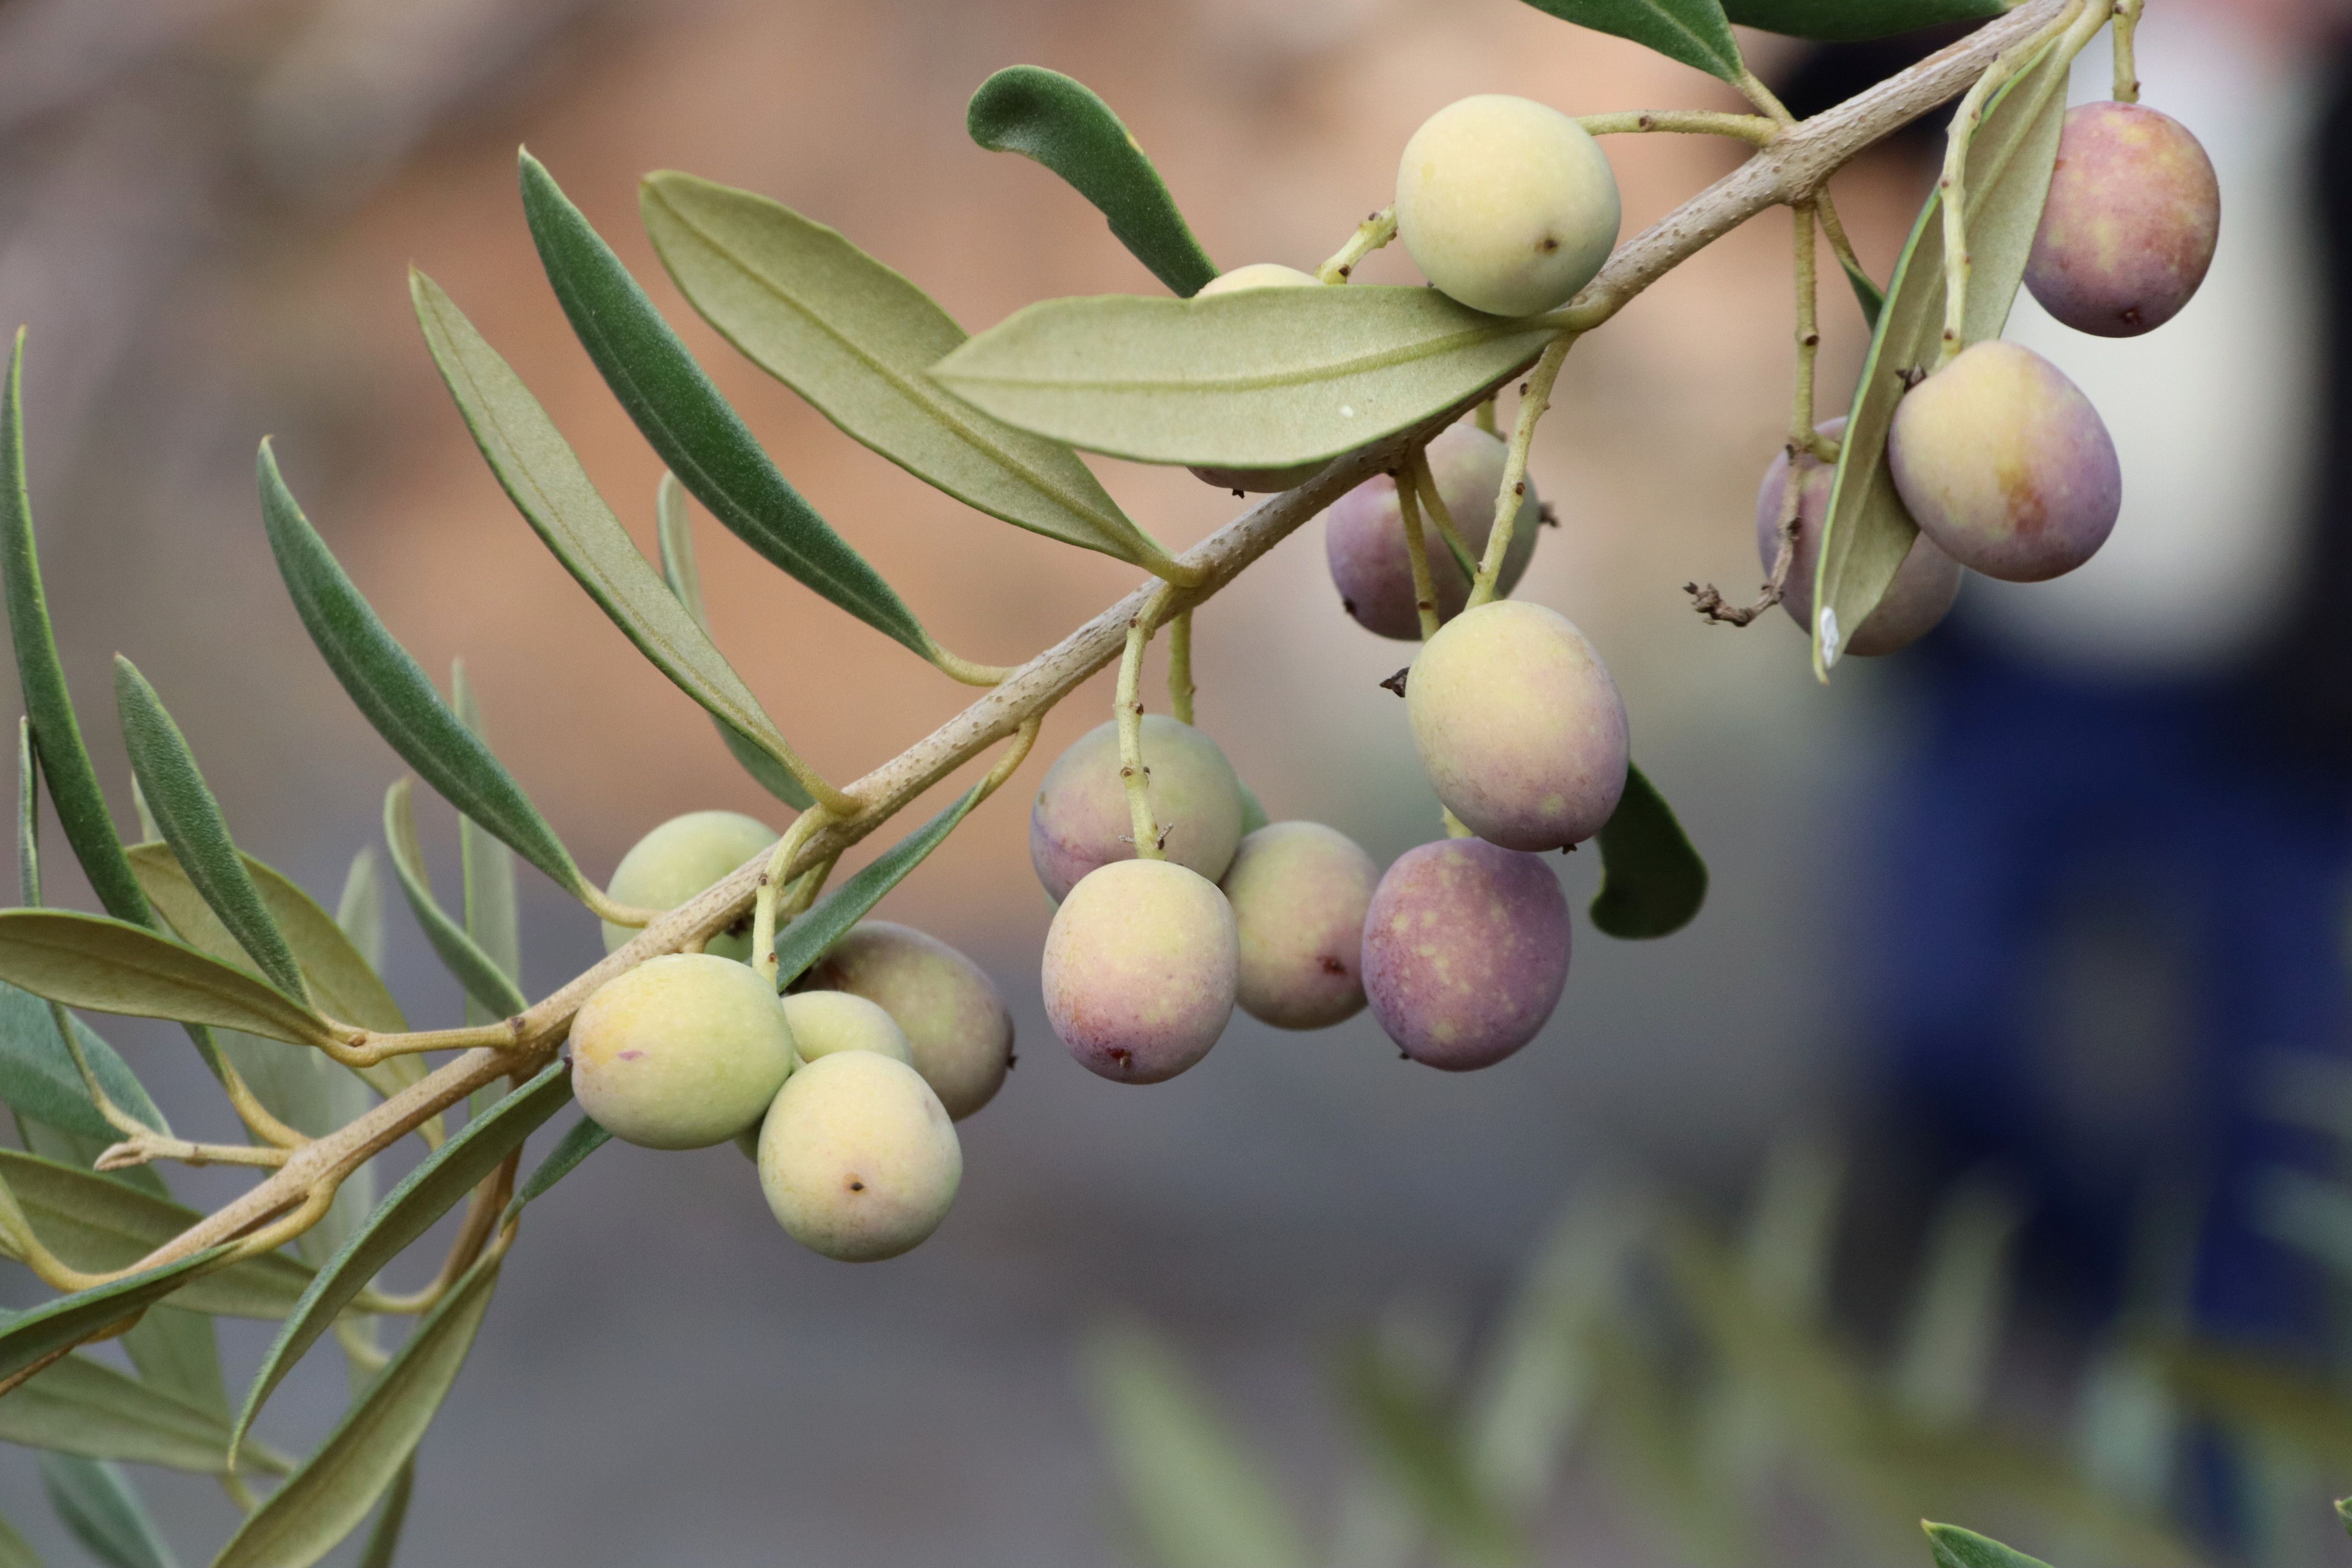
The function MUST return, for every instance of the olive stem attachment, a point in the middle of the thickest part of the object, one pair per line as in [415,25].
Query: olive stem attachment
[1371,235]
[1416,551]
[1134,774]
[1180,665]
[810,823]
[1534,398]
[2126,28]
[1753,129]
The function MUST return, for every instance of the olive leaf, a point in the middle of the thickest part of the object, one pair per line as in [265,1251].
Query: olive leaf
[1260,378]
[384,1540]
[543,475]
[394,693]
[1063,124]
[1692,31]
[82,1406]
[110,966]
[95,1223]
[806,938]
[1846,21]
[581,1138]
[37,1076]
[407,1212]
[1653,881]
[103,1509]
[48,706]
[475,971]
[1958,1548]
[1866,532]
[32,1337]
[14,1552]
[1409,1433]
[858,340]
[178,1353]
[1199,1498]
[683,417]
[359,912]
[487,874]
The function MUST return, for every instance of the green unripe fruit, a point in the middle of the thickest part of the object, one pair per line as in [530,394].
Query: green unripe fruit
[682,1052]
[857,1157]
[1300,890]
[1507,204]
[824,1022]
[1259,275]
[680,859]
[1253,814]
[955,1022]
[1141,962]
[1081,819]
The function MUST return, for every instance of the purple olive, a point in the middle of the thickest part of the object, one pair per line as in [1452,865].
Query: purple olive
[1363,535]
[2128,229]
[1465,952]
[1141,962]
[1081,818]
[1921,594]
[1300,890]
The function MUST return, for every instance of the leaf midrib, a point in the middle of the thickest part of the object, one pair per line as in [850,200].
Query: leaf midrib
[1360,365]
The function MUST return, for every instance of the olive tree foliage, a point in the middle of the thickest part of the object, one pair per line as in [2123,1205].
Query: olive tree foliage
[1310,390]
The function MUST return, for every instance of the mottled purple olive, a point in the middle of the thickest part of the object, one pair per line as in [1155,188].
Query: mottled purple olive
[1925,586]
[1300,890]
[1260,275]
[1081,818]
[2129,226]
[1519,726]
[1465,952]
[1507,204]
[680,859]
[681,1052]
[1363,535]
[824,1022]
[1141,963]
[955,1022]
[2004,463]
[857,1157]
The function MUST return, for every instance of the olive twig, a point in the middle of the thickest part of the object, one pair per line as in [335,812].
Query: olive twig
[1753,129]
[145,1147]
[1535,396]
[1416,551]
[2127,27]
[1371,235]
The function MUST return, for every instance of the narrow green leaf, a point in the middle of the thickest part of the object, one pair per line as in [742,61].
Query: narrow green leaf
[69,1321]
[858,340]
[1063,124]
[1653,881]
[1958,1548]
[177,1352]
[384,1540]
[583,1138]
[683,417]
[15,1551]
[28,817]
[2266,1395]
[1258,378]
[359,912]
[82,1153]
[193,824]
[394,693]
[80,1406]
[2344,1512]
[1411,1437]
[1199,1498]
[543,475]
[1960,1304]
[1866,292]
[37,1076]
[485,982]
[327,1498]
[96,1224]
[108,966]
[488,873]
[1867,533]
[359,915]
[103,1509]
[806,938]
[685,579]
[407,1212]
[1846,21]
[48,706]
[1692,31]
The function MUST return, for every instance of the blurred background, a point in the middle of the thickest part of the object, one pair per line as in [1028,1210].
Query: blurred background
[206,211]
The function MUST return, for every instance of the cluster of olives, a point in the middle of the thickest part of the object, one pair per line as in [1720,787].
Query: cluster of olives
[2001,460]
[846,1092]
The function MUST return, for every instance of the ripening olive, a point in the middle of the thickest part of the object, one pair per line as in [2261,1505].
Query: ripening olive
[681,1052]
[2128,229]
[857,1157]
[1507,204]
[1465,952]
[824,1022]
[955,1022]
[1364,539]
[1299,892]
[1081,819]
[1925,585]
[680,859]
[1141,962]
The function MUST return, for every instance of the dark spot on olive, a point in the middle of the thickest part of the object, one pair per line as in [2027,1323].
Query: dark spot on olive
[1549,245]
[855,1185]
[1332,964]
[1123,1057]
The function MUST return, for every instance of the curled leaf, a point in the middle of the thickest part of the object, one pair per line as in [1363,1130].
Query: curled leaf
[484,982]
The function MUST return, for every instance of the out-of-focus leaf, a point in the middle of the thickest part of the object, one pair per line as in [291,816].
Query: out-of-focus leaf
[685,579]
[1410,1435]
[1867,533]
[331,1493]
[96,1224]
[1692,31]
[110,966]
[2305,1088]
[1960,1304]
[358,913]
[583,1138]
[2126,1426]
[1060,123]
[69,1321]
[1846,21]
[683,417]
[384,1540]
[1958,1548]
[2344,1512]
[15,1551]
[2256,1394]
[477,971]
[543,475]
[104,1511]
[177,1352]
[191,823]
[1652,880]
[80,1406]
[858,340]
[1200,1500]
[407,1212]
[1257,378]
[57,733]
[804,941]
[38,1078]
[394,693]
[2311,1214]
[487,874]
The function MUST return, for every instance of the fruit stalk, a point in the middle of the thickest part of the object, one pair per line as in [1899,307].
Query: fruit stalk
[1535,396]
[1128,709]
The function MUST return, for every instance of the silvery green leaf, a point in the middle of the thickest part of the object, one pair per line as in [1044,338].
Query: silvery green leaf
[358,913]
[107,966]
[486,872]
[807,938]
[104,1511]
[1063,124]
[581,1138]
[543,475]
[1259,378]
[484,982]
[1419,1447]
[80,1406]
[1846,21]
[331,1493]
[384,1540]
[685,579]
[338,977]
[15,1551]
[395,695]
[82,1153]
[38,1078]
[1867,532]
[1958,1548]
[177,1352]
[1653,881]
[858,340]
[423,1197]
[55,1326]
[1692,31]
